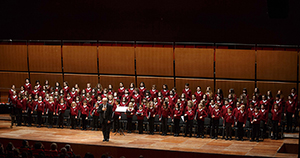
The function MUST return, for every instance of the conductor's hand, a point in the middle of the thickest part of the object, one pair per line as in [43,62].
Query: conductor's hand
[175,115]
[169,117]
[159,119]
[108,121]
[243,125]
[153,115]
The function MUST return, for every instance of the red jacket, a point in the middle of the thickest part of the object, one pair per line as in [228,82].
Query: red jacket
[199,96]
[190,115]
[127,97]
[51,106]
[225,109]
[157,106]
[142,91]
[153,93]
[201,112]
[69,101]
[229,118]
[85,110]
[217,113]
[257,116]
[130,90]
[61,107]
[29,105]
[280,104]
[40,106]
[95,112]
[132,111]
[165,93]
[66,90]
[211,109]
[27,88]
[231,103]
[74,111]
[151,112]
[276,116]
[121,92]
[290,107]
[236,111]
[137,98]
[20,103]
[264,115]
[242,117]
[195,102]
[178,112]
[165,112]
[140,114]
[266,103]
[35,92]
[250,112]
[188,93]
[172,99]
[73,95]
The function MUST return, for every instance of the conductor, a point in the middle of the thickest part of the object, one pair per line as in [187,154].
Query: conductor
[105,111]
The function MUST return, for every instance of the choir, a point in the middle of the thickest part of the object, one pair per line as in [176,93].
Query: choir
[191,110]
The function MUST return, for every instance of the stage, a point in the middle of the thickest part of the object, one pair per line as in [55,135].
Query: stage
[142,144]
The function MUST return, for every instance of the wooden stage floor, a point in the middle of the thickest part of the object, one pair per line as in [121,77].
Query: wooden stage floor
[144,141]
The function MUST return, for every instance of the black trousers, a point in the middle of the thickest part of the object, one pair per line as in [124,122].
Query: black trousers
[73,121]
[50,118]
[19,116]
[200,127]
[215,126]
[129,123]
[189,127]
[106,129]
[255,131]
[289,118]
[29,117]
[116,122]
[176,126]
[140,126]
[39,118]
[240,129]
[151,124]
[275,128]
[264,127]
[95,122]
[61,119]
[164,123]
[83,119]
[228,129]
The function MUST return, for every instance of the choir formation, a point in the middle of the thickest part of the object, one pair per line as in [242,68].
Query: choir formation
[205,111]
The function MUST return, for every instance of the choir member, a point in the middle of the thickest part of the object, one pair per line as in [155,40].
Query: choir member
[201,114]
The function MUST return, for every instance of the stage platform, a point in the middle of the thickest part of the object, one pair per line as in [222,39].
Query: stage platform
[143,144]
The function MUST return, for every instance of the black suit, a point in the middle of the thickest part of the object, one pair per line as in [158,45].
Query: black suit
[105,116]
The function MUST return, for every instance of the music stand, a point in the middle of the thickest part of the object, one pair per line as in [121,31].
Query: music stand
[121,109]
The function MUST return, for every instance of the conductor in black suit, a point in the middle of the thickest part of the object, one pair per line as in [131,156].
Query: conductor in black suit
[105,111]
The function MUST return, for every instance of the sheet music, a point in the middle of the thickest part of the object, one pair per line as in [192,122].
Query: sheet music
[121,109]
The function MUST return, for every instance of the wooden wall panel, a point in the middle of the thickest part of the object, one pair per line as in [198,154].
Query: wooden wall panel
[158,81]
[116,60]
[154,61]
[191,62]
[13,57]
[51,77]
[10,78]
[238,86]
[275,86]
[235,63]
[203,83]
[115,81]
[81,80]
[80,59]
[277,65]
[44,58]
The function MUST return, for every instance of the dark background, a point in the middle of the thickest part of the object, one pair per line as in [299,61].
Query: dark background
[236,21]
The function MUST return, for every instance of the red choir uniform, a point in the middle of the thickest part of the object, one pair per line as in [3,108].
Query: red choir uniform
[241,120]
[236,111]
[127,96]
[210,109]
[19,107]
[266,104]
[250,112]
[74,114]
[280,104]
[177,112]
[140,117]
[40,107]
[148,98]
[164,114]
[220,96]
[153,93]
[290,109]
[189,122]
[95,114]
[51,108]
[225,109]
[255,119]
[142,91]
[27,87]
[85,110]
[229,122]
[165,93]
[199,95]
[99,92]
[183,104]
[22,92]
[61,108]
[217,113]
[110,92]
[172,99]
[295,98]
[149,114]
[130,112]
[231,103]
[220,103]
[66,90]
[89,102]
[188,93]
[73,95]
[200,116]
[42,93]
[121,92]
[137,98]
[35,92]
[10,93]
[104,95]
[264,118]
[39,87]
[256,103]
[78,104]
[30,108]
[68,101]
[88,90]
[123,104]
[195,102]
[130,90]
[276,120]
[157,106]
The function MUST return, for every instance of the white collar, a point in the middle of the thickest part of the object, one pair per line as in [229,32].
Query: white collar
[27,84]
[84,106]
[264,101]
[275,110]
[66,87]
[142,87]
[193,100]
[12,90]
[238,108]
[136,95]
[229,114]
[61,103]
[187,89]
[40,101]
[230,100]
[153,90]
[262,110]
[165,90]
[121,88]
[241,111]
[126,94]
[68,98]
[254,101]
[88,88]
[290,102]
[217,110]
[140,109]
[256,113]
[277,101]
[198,92]
[227,105]
[131,88]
